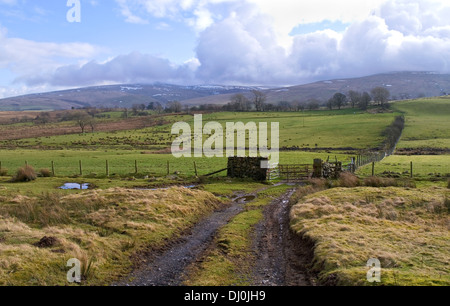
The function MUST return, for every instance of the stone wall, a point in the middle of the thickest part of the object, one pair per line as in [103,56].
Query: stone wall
[247,167]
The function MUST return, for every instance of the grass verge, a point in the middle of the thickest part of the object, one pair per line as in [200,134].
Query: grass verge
[406,229]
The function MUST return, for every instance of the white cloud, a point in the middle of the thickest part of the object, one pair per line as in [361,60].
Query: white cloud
[248,43]
[132,68]
[26,56]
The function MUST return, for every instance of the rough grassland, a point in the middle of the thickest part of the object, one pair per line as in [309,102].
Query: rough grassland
[406,229]
[104,229]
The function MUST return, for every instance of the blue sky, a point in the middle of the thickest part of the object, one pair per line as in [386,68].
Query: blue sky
[249,42]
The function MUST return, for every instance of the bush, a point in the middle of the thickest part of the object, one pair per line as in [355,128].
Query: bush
[347,179]
[3,172]
[45,173]
[25,174]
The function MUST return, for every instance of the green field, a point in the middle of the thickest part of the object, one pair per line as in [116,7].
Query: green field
[424,166]
[122,162]
[427,123]
[337,129]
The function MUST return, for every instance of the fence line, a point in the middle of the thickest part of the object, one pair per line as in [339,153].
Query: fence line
[80,168]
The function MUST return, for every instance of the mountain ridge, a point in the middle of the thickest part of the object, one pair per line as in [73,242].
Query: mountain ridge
[402,85]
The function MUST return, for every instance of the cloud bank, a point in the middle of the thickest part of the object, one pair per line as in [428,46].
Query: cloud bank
[242,42]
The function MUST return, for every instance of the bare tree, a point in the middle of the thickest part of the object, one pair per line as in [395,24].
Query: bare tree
[82,119]
[259,99]
[354,97]
[239,102]
[174,107]
[381,96]
[93,124]
[313,104]
[339,100]
[364,101]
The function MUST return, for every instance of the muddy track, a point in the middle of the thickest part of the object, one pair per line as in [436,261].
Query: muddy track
[281,256]
[168,266]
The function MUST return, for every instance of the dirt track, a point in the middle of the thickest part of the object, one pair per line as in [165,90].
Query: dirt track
[281,256]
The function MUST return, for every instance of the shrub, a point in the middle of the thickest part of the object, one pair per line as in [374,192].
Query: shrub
[347,179]
[375,181]
[4,172]
[45,173]
[25,174]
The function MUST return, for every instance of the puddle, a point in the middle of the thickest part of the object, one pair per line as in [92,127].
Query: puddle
[245,199]
[74,186]
[167,188]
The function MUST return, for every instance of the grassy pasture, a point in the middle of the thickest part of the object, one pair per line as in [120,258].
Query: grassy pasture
[427,123]
[325,129]
[122,162]
[424,166]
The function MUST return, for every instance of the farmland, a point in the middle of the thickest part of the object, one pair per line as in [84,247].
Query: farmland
[126,160]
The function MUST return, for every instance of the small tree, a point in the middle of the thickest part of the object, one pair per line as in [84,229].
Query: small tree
[82,119]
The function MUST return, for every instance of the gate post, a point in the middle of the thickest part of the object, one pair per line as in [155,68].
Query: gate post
[317,168]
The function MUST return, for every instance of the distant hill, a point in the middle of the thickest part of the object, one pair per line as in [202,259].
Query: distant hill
[402,85]
[115,96]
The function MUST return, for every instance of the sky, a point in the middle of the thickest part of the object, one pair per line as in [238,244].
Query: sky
[59,44]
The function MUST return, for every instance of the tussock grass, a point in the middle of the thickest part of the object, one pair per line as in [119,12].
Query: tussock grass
[25,174]
[406,229]
[347,179]
[104,229]
[45,172]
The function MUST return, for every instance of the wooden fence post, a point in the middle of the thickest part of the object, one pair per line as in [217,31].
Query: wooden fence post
[168,167]
[411,169]
[107,168]
[373,168]
[53,168]
[136,167]
[195,168]
[81,168]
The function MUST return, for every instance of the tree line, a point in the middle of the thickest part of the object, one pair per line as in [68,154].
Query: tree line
[257,101]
